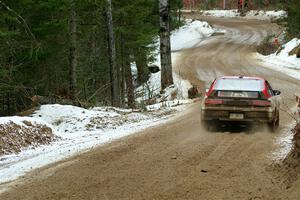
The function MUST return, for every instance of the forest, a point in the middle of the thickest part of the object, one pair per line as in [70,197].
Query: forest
[60,49]
[42,40]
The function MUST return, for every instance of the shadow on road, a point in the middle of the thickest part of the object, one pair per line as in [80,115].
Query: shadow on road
[238,127]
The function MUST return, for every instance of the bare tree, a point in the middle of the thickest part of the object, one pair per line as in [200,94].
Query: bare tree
[114,71]
[165,46]
[72,50]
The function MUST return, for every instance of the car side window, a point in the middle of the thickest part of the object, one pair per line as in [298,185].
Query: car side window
[269,88]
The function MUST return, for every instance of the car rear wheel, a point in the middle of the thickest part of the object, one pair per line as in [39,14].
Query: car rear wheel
[273,126]
[207,125]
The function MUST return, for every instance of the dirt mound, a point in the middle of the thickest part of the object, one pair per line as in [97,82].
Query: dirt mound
[15,136]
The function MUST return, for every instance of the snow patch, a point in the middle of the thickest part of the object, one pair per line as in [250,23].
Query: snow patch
[286,144]
[79,130]
[173,103]
[281,60]
[221,13]
[191,34]
[252,14]
[188,36]
[20,121]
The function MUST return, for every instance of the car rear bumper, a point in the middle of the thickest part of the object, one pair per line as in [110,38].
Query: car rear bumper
[259,114]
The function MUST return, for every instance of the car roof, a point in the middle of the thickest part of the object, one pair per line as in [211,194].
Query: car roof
[241,77]
[239,83]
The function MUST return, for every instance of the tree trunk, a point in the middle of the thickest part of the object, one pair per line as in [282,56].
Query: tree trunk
[165,46]
[140,57]
[129,83]
[72,50]
[123,70]
[114,71]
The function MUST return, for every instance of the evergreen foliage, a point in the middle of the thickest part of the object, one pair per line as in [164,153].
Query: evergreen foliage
[35,44]
[293,8]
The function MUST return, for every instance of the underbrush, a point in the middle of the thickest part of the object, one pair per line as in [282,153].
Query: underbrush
[267,46]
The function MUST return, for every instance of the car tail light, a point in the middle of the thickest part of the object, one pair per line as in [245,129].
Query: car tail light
[213,101]
[261,103]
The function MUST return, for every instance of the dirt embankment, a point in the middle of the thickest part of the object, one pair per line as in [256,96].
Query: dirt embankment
[297,138]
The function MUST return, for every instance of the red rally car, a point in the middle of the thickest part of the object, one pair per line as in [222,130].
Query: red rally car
[240,98]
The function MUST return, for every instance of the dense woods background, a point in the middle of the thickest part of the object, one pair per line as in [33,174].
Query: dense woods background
[42,40]
[61,49]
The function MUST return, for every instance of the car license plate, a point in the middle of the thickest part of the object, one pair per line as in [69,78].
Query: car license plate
[236,116]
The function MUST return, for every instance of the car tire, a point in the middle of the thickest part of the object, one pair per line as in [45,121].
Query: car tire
[273,126]
[207,125]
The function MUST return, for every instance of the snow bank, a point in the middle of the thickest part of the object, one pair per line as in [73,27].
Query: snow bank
[188,36]
[266,15]
[281,60]
[285,143]
[172,103]
[78,130]
[289,64]
[191,34]
[68,120]
[221,13]
[252,14]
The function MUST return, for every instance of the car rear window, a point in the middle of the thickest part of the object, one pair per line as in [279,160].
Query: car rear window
[239,85]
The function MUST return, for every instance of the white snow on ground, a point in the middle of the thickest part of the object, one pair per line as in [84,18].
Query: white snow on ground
[188,36]
[252,14]
[167,104]
[285,143]
[221,13]
[20,121]
[80,130]
[281,61]
[266,15]
[153,86]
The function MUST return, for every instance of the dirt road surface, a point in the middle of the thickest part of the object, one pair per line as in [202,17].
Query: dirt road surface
[179,159]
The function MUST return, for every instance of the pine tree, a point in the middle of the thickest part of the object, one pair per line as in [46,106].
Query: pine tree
[293,8]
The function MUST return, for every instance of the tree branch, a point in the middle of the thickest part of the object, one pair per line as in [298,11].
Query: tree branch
[20,19]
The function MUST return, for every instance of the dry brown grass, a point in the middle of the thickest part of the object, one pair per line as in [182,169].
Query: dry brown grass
[267,46]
